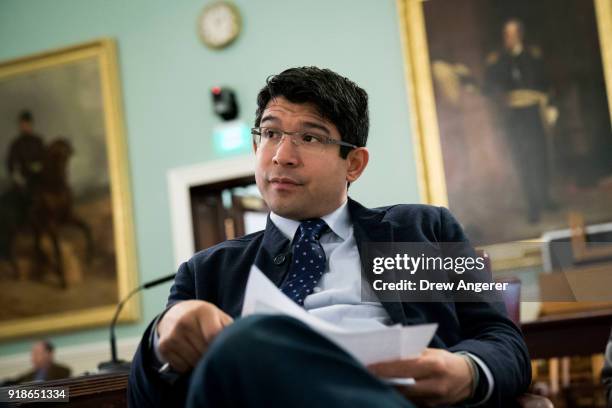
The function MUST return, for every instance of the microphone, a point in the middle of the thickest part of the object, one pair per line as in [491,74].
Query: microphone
[115,365]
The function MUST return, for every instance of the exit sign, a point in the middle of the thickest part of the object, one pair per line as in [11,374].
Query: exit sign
[232,137]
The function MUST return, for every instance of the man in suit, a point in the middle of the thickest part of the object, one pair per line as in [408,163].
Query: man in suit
[309,141]
[24,163]
[44,368]
[26,154]
[516,79]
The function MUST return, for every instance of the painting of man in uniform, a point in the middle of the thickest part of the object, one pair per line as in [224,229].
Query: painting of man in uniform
[56,228]
[523,114]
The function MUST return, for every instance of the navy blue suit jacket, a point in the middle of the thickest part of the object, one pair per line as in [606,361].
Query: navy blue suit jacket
[219,275]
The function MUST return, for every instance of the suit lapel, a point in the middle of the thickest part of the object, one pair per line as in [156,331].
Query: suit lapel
[274,256]
[369,226]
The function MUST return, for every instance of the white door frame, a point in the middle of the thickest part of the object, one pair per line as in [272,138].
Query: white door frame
[181,179]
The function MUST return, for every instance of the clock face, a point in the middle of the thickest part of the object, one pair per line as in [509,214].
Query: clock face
[219,24]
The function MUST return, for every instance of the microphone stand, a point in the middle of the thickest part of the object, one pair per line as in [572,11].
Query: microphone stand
[116,365]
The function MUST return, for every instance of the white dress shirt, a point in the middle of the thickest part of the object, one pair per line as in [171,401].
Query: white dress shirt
[337,296]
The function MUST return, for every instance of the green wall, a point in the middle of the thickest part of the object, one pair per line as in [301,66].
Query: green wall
[165,75]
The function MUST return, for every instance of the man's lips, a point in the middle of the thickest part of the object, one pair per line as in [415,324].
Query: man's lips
[284,182]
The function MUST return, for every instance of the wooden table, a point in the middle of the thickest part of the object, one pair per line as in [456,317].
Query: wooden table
[583,333]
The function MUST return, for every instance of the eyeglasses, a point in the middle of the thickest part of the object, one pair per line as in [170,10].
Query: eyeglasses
[265,137]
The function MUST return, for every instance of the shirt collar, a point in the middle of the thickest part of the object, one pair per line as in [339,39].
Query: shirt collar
[338,221]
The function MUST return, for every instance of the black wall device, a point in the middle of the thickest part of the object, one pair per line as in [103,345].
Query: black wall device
[224,102]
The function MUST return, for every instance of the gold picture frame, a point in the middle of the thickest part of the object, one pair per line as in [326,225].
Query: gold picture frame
[425,119]
[73,94]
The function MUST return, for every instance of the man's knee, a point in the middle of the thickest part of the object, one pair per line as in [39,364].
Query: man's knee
[252,337]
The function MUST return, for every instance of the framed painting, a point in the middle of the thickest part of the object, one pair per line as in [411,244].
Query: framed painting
[510,105]
[67,250]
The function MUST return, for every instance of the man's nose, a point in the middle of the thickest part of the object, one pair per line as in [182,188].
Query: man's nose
[286,152]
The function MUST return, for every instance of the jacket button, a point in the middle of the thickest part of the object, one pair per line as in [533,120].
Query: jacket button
[279,259]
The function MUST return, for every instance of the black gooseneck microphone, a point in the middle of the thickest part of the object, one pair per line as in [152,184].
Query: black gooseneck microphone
[116,365]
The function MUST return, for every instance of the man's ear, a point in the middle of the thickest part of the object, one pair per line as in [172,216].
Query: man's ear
[356,162]
[254,147]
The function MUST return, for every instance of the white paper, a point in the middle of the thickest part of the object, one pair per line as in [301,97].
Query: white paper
[367,346]
[399,381]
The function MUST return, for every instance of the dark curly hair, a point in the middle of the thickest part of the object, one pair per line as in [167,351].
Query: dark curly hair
[338,99]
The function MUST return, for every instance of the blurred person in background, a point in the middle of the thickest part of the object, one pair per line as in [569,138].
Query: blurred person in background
[44,367]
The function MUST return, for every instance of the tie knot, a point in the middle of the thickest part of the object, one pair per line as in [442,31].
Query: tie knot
[312,228]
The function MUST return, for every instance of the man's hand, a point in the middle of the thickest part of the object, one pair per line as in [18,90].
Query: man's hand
[187,329]
[441,377]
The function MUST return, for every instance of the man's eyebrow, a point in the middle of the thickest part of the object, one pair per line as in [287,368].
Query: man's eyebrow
[307,124]
[270,118]
[314,125]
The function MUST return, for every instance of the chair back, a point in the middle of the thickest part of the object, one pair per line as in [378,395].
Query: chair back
[512,295]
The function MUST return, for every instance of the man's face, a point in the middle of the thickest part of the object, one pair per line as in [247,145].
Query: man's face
[512,36]
[25,126]
[300,184]
[41,358]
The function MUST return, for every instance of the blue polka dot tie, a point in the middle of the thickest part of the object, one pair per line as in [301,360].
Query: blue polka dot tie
[308,261]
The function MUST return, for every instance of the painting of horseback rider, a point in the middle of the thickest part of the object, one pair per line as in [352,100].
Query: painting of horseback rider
[39,202]
[67,251]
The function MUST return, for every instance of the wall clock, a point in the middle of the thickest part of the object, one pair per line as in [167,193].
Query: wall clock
[219,24]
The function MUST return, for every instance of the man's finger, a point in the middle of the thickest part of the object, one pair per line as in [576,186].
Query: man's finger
[384,370]
[422,367]
[177,362]
[193,334]
[180,347]
[188,352]
[209,328]
[185,340]
[226,319]
[396,368]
